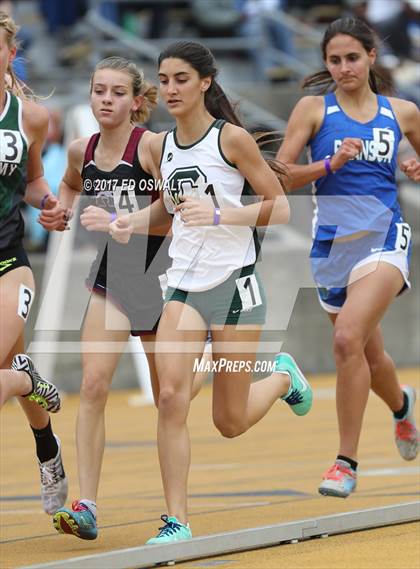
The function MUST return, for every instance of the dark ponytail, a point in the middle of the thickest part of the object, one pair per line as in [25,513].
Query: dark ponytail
[322,82]
[219,106]
[201,59]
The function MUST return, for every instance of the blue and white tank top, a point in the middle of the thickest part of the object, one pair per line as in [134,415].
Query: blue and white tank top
[364,189]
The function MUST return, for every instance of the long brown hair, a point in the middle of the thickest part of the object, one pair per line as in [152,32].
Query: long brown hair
[139,84]
[13,84]
[322,82]
[215,100]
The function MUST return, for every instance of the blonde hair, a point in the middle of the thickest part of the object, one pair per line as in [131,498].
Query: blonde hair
[140,85]
[13,84]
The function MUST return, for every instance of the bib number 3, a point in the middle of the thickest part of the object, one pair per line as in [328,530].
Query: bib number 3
[249,292]
[26,296]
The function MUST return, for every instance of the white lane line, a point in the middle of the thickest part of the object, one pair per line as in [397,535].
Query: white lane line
[404,471]
[14,512]
[229,466]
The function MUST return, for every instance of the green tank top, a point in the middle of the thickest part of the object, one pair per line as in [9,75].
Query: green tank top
[13,163]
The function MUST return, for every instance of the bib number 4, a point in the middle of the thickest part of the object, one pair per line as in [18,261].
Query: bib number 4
[125,200]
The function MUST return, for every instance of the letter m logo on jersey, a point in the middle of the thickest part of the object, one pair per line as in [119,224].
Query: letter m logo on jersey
[185,182]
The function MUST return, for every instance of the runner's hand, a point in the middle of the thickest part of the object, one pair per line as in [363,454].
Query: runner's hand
[121,229]
[411,169]
[348,150]
[53,216]
[195,212]
[95,218]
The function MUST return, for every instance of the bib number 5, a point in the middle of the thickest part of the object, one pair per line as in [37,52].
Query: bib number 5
[402,242]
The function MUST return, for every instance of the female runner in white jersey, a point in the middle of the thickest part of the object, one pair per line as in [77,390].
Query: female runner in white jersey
[23,128]
[361,245]
[204,163]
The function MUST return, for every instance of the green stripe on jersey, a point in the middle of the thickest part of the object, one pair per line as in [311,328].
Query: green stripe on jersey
[13,158]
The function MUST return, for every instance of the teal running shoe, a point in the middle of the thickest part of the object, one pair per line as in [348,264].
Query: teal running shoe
[78,521]
[299,397]
[339,481]
[172,531]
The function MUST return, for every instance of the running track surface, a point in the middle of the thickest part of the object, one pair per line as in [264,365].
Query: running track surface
[267,476]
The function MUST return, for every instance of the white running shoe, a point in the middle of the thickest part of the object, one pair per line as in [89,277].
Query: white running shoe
[340,480]
[54,484]
[406,434]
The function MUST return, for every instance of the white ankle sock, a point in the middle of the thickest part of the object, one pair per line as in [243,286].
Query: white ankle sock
[90,505]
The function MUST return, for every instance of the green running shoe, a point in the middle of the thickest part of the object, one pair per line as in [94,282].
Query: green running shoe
[300,395]
[172,531]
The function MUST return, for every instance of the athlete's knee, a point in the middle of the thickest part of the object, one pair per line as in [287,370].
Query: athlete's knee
[346,342]
[230,427]
[94,388]
[173,403]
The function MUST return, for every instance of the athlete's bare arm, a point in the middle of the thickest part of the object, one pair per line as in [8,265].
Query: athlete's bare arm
[35,126]
[408,116]
[148,158]
[71,184]
[303,124]
[240,148]
[144,152]
[305,121]
[69,188]
[158,214]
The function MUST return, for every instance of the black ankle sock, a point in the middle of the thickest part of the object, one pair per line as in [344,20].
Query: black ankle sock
[46,444]
[352,462]
[403,411]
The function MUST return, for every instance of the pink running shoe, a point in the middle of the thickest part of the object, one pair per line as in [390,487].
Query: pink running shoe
[406,434]
[340,480]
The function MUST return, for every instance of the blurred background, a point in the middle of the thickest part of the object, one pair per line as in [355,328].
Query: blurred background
[263,49]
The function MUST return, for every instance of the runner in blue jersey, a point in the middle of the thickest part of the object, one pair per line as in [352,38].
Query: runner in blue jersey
[361,248]
[23,129]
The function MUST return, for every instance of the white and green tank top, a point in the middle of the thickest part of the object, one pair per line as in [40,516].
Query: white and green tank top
[204,256]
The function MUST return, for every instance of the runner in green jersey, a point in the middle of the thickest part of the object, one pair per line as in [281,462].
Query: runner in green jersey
[23,128]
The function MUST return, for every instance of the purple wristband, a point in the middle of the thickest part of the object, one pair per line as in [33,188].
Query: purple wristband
[113,217]
[44,199]
[327,165]
[216,216]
